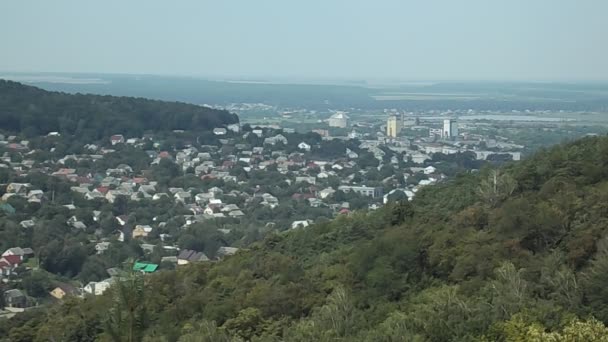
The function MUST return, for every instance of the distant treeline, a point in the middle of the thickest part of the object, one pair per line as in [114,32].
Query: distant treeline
[33,111]
[505,96]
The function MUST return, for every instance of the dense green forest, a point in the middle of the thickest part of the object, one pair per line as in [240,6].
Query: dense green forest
[518,253]
[32,111]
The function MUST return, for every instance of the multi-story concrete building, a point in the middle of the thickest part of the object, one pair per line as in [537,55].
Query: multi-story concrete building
[450,128]
[363,190]
[393,126]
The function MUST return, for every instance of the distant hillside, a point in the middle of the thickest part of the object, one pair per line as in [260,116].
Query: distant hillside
[503,96]
[33,111]
[515,254]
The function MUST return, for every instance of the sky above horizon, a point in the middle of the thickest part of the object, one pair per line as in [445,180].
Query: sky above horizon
[542,40]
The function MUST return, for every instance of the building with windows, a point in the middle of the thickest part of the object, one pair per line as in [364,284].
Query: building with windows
[450,128]
[393,126]
[363,190]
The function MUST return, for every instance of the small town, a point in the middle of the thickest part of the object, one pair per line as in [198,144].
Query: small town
[294,171]
[249,181]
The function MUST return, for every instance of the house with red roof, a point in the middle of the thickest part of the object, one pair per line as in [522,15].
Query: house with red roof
[8,264]
[117,139]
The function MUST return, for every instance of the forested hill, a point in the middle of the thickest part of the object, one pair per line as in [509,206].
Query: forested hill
[515,254]
[33,111]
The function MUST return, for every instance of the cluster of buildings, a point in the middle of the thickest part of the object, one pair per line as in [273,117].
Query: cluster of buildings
[303,177]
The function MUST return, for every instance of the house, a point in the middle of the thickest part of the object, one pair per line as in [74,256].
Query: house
[230,207]
[315,202]
[117,139]
[111,195]
[97,288]
[141,231]
[89,196]
[145,267]
[14,299]
[219,131]
[420,158]
[96,215]
[279,138]
[147,247]
[63,290]
[79,225]
[323,175]
[209,210]
[122,219]
[234,127]
[425,182]
[351,154]
[236,213]
[102,247]
[159,195]
[429,170]
[373,192]
[170,259]
[147,189]
[408,193]
[309,180]
[8,264]
[124,169]
[35,196]
[301,223]
[187,256]
[182,196]
[22,253]
[18,188]
[27,223]
[269,200]
[304,146]
[325,193]
[224,251]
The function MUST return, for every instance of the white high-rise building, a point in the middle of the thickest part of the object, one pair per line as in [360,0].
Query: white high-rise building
[450,128]
[393,126]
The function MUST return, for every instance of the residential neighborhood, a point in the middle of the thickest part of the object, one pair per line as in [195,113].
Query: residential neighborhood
[163,202]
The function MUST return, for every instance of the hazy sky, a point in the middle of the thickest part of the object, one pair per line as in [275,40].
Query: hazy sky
[353,39]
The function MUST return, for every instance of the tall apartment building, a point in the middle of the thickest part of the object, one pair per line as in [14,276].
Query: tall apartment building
[450,128]
[393,126]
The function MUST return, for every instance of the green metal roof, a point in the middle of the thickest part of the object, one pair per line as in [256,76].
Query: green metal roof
[145,267]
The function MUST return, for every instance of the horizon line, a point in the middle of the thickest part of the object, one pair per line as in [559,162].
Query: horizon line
[294,79]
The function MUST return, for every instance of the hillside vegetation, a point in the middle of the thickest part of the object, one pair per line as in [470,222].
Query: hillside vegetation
[32,111]
[515,254]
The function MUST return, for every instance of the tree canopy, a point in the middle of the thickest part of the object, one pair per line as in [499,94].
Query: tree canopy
[33,111]
[511,254]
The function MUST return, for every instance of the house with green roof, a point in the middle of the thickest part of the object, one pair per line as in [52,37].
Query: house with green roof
[144,267]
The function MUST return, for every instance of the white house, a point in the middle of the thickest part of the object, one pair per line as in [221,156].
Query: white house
[234,127]
[219,131]
[429,170]
[304,146]
[97,288]
[300,224]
